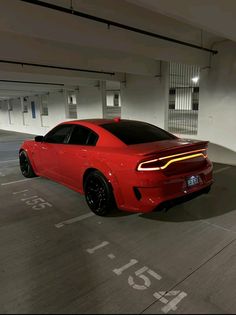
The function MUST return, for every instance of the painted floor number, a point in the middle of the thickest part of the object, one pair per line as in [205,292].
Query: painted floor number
[36,202]
[170,305]
[141,280]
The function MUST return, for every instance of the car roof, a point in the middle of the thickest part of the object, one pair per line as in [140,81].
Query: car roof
[94,121]
[95,125]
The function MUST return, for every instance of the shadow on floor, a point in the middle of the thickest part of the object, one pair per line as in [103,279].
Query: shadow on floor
[219,201]
[118,213]
[220,154]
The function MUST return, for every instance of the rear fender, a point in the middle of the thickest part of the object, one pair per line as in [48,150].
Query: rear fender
[111,178]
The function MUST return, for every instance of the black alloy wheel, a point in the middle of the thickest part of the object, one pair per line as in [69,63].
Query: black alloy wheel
[98,193]
[25,166]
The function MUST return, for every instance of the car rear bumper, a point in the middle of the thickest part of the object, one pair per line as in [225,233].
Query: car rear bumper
[146,199]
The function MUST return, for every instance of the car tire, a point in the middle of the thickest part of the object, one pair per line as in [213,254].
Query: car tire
[98,193]
[25,165]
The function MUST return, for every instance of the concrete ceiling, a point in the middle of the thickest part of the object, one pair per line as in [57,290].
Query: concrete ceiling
[215,16]
[33,34]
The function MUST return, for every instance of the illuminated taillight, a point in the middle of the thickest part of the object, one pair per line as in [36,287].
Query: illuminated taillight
[163,162]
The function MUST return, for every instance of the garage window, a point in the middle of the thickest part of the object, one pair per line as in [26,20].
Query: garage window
[113,98]
[112,104]
[25,105]
[183,98]
[44,105]
[10,107]
[71,110]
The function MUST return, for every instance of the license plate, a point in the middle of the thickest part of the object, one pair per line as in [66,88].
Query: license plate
[193,180]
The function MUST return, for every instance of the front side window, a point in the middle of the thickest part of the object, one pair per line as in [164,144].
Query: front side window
[59,134]
[83,136]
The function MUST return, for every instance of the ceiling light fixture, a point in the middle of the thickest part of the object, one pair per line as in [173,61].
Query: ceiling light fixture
[195,79]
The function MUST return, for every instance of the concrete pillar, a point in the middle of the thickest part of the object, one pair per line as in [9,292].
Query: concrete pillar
[90,102]
[145,98]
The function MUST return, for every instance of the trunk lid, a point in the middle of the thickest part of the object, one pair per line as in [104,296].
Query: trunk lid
[166,147]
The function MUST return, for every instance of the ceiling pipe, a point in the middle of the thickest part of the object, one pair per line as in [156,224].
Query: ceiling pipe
[116,24]
[32,82]
[54,67]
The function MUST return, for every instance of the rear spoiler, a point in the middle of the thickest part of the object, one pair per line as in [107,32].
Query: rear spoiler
[178,149]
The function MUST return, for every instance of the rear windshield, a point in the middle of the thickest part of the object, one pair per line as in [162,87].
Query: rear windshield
[135,132]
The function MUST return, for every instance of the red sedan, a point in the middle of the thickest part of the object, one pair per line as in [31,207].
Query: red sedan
[131,164]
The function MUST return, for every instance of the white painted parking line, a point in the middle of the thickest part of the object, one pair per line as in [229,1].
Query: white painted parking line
[73,220]
[92,250]
[19,181]
[9,161]
[111,256]
[221,169]
[19,192]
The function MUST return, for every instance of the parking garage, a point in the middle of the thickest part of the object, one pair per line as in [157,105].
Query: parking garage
[141,60]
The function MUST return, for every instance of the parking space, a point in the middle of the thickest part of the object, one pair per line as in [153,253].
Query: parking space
[58,257]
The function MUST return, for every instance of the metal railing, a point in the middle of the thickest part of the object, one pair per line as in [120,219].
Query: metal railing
[183,98]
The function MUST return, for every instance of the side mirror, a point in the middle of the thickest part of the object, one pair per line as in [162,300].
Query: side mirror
[39,139]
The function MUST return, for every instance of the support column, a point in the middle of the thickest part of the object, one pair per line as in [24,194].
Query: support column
[145,98]
[90,102]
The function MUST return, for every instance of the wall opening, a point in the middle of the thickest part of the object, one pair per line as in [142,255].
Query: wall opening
[44,100]
[10,112]
[183,98]
[25,110]
[113,103]
[71,110]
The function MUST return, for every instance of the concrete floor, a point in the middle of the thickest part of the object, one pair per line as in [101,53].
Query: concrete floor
[60,258]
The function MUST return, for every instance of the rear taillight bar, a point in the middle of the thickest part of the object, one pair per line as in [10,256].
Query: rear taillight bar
[161,164]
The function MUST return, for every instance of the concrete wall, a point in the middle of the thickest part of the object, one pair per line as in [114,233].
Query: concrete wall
[145,98]
[217,105]
[217,115]
[89,105]
[24,122]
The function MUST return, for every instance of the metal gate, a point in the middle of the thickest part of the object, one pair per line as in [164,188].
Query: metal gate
[183,98]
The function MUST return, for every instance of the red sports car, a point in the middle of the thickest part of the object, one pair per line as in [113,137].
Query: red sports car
[130,164]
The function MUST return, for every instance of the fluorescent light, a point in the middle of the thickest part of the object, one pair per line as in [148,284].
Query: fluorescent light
[195,79]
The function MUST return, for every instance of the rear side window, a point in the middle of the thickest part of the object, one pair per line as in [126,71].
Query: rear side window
[83,136]
[135,132]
